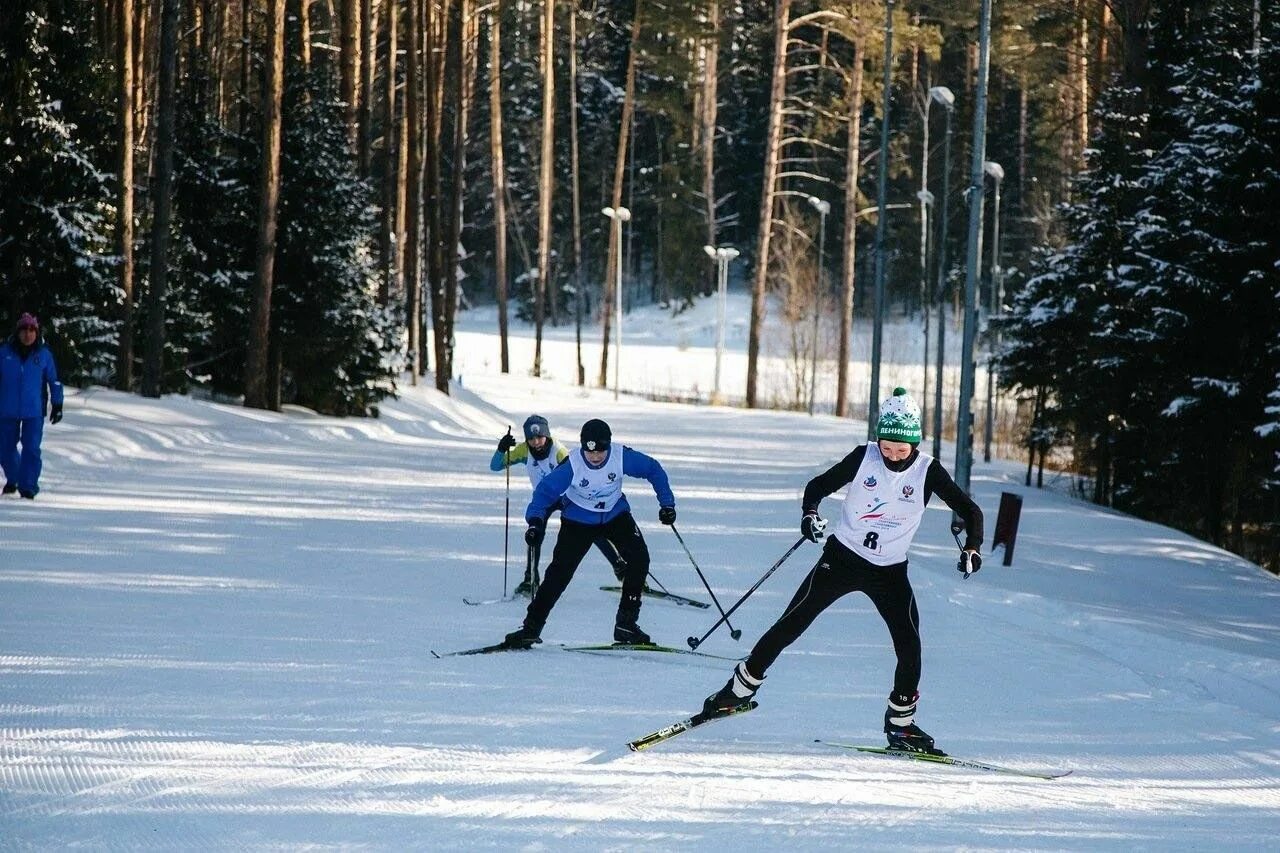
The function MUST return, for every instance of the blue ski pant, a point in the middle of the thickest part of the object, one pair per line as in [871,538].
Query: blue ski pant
[22,468]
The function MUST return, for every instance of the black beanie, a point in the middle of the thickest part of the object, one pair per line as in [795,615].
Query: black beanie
[596,435]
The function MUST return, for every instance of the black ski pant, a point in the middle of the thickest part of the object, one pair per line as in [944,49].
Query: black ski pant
[838,573]
[573,543]
[603,545]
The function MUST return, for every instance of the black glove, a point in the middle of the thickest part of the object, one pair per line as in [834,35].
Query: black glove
[505,443]
[667,514]
[970,562]
[537,530]
[55,414]
[812,526]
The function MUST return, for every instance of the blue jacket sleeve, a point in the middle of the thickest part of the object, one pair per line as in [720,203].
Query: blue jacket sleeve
[549,492]
[498,462]
[51,376]
[637,464]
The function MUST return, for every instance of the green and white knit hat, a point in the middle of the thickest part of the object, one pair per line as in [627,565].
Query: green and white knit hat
[899,419]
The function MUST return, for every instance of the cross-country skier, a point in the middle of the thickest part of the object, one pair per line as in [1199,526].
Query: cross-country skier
[889,484]
[589,493]
[541,453]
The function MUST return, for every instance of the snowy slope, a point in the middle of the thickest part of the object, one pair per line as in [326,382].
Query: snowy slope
[216,624]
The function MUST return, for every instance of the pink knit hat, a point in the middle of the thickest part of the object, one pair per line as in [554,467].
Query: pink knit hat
[28,321]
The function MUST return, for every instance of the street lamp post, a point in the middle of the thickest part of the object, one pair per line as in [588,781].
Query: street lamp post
[996,172]
[823,209]
[973,253]
[943,96]
[722,256]
[618,216]
[877,325]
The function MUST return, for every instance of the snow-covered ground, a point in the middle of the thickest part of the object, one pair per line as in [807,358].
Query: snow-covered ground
[216,628]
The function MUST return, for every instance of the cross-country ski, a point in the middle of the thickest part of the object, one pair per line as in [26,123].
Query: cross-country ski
[950,760]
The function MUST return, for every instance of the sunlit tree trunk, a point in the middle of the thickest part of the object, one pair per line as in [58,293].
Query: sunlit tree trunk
[413,265]
[153,364]
[255,379]
[498,170]
[546,179]
[577,189]
[777,94]
[619,168]
[124,216]
[391,175]
[849,265]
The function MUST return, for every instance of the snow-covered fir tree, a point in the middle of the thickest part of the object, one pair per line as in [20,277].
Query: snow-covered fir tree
[1071,329]
[1208,246]
[338,348]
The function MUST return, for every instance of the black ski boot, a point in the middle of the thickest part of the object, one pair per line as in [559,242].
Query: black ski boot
[10,488]
[900,728]
[524,588]
[523,637]
[625,629]
[737,691]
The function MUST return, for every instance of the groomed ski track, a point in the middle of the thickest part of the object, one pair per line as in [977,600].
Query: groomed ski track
[215,628]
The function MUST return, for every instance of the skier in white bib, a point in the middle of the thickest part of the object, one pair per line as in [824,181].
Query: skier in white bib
[541,454]
[889,483]
[588,491]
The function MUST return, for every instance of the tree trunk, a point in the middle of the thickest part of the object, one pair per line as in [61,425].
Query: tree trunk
[124,219]
[391,177]
[364,113]
[153,364]
[498,170]
[852,163]
[246,64]
[349,65]
[577,190]
[619,164]
[1082,81]
[413,265]
[777,94]
[255,371]
[546,177]
[463,92]
[434,52]
[707,133]
[304,33]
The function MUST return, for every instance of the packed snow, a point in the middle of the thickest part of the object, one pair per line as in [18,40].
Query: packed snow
[216,628]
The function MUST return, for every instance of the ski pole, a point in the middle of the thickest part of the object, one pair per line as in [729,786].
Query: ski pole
[733,632]
[506,530]
[694,642]
[535,580]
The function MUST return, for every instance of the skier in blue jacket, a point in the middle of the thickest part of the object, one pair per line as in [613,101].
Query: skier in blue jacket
[28,382]
[588,491]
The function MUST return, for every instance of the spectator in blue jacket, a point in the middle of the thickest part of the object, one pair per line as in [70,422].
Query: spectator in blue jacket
[588,491]
[28,384]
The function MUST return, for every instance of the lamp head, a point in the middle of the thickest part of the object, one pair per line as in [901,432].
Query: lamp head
[943,95]
[994,169]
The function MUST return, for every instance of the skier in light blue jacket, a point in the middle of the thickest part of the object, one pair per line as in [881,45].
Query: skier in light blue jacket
[28,383]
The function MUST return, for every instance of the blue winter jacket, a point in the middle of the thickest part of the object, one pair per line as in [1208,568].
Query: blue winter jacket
[547,496]
[27,384]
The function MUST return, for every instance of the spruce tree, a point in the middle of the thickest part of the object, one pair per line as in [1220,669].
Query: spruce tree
[337,345]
